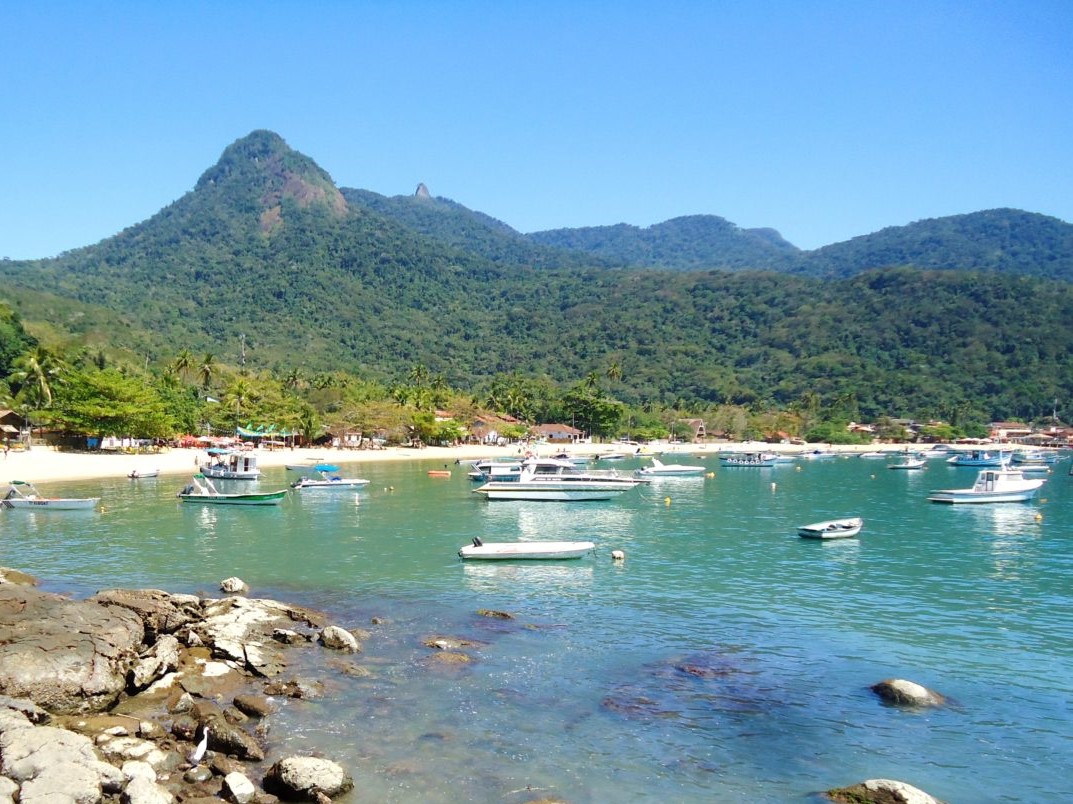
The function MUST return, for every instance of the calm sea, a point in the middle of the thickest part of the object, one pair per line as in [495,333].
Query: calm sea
[725,660]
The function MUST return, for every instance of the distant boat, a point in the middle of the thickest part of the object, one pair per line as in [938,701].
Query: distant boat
[873,454]
[660,469]
[201,490]
[832,529]
[557,481]
[527,551]
[909,462]
[326,480]
[22,494]
[139,474]
[756,459]
[978,457]
[993,486]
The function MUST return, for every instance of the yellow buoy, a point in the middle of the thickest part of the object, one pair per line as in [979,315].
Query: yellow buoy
[666,500]
[1039,517]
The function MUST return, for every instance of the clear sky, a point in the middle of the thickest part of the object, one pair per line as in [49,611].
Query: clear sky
[824,120]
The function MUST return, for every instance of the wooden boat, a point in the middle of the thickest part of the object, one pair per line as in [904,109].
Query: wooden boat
[139,474]
[979,457]
[22,494]
[231,465]
[439,472]
[832,529]
[524,551]
[326,480]
[755,459]
[551,480]
[993,486]
[201,490]
[660,469]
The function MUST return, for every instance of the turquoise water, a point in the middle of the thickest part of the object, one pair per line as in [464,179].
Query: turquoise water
[725,660]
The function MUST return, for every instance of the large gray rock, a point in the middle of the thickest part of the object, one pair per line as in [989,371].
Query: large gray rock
[307,778]
[160,612]
[241,629]
[52,765]
[899,692]
[69,657]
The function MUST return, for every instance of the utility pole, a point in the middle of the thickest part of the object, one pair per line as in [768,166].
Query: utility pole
[242,352]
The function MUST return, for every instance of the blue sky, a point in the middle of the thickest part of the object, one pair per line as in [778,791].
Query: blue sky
[824,120]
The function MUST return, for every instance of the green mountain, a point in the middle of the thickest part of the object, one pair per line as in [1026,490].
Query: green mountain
[696,242]
[267,253]
[1009,241]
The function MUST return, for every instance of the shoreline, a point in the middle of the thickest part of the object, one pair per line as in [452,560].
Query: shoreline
[44,464]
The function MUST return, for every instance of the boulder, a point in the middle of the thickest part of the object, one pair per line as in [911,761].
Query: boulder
[238,788]
[68,657]
[880,791]
[303,778]
[339,639]
[899,692]
[160,612]
[141,790]
[162,658]
[8,575]
[234,586]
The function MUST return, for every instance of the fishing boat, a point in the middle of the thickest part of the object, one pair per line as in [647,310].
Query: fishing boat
[230,465]
[524,551]
[909,462]
[832,529]
[201,490]
[324,479]
[551,480]
[139,474]
[660,469]
[993,486]
[755,459]
[22,494]
[979,457]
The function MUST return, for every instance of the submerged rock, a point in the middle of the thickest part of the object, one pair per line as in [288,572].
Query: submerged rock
[899,692]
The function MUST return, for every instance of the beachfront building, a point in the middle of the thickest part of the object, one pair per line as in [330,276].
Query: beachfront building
[556,433]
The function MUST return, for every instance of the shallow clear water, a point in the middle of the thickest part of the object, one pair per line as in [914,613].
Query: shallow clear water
[725,659]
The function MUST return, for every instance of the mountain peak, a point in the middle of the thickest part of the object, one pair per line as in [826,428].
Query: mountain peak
[262,164]
[422,191]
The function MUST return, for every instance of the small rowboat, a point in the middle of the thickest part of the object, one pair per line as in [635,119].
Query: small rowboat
[201,490]
[439,472]
[139,474]
[527,551]
[832,529]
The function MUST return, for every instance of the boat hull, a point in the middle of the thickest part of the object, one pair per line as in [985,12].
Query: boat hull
[268,498]
[961,496]
[329,484]
[525,551]
[519,490]
[54,504]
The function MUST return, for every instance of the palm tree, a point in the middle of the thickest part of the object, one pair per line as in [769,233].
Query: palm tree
[614,371]
[294,379]
[183,362]
[207,370]
[35,371]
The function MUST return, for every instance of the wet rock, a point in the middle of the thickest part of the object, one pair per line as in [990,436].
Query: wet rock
[197,775]
[495,615]
[234,586]
[880,791]
[338,638]
[899,692]
[450,658]
[254,705]
[451,643]
[303,778]
[295,688]
[162,658]
[289,637]
[68,657]
[17,577]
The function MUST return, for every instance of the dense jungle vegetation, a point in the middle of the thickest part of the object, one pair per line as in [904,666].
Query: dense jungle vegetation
[295,303]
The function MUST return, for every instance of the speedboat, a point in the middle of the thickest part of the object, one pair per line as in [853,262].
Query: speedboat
[500,551]
[22,494]
[832,529]
[992,486]
[660,469]
[749,459]
[201,490]
[326,480]
[229,465]
[552,480]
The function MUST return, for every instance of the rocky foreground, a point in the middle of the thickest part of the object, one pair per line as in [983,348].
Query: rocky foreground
[150,697]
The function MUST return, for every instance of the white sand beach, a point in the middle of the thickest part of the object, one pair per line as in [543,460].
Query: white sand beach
[43,464]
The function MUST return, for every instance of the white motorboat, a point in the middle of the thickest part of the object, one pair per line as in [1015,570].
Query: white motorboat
[324,479]
[232,466]
[660,469]
[201,490]
[993,486]
[755,459]
[553,480]
[909,462]
[527,551]
[832,529]
[22,494]
[139,474]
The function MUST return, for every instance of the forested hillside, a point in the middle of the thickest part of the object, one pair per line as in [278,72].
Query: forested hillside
[267,256]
